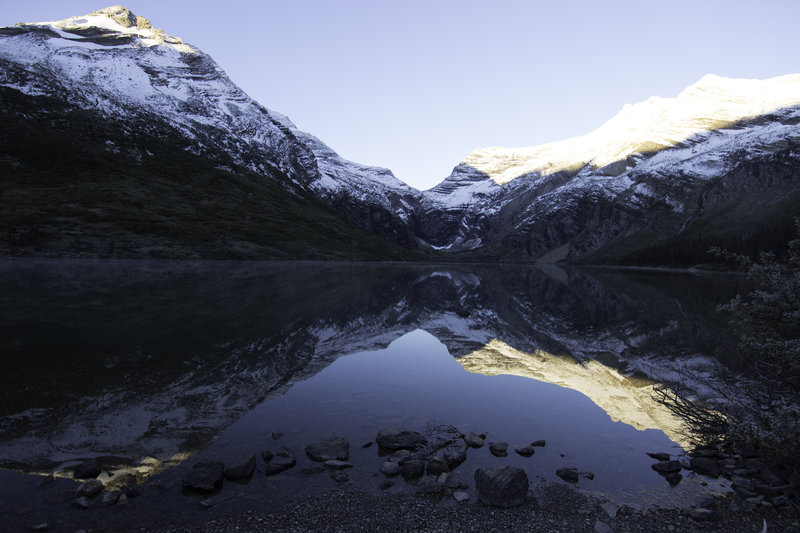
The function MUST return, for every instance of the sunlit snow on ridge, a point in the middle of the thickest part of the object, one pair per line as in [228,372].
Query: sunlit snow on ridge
[712,103]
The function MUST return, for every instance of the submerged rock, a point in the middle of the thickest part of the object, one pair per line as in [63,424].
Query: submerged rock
[399,438]
[569,474]
[524,451]
[267,456]
[241,469]
[205,476]
[280,463]
[499,449]
[502,486]
[538,443]
[659,456]
[473,440]
[336,448]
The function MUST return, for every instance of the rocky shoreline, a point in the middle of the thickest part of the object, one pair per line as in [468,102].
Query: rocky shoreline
[442,498]
[550,507]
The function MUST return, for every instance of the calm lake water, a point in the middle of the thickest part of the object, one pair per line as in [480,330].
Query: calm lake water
[163,364]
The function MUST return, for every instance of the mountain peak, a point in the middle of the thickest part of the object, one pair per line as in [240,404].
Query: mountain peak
[108,27]
[124,17]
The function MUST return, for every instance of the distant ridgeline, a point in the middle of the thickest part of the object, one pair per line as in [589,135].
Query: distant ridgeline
[119,140]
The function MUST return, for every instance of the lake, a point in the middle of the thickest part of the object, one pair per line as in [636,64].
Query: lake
[156,365]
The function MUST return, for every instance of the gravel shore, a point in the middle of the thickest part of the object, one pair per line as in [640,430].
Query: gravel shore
[549,508]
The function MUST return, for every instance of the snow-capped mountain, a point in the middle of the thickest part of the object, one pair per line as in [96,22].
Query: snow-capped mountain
[680,156]
[714,164]
[114,62]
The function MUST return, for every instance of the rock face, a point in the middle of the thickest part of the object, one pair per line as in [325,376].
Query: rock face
[399,438]
[502,486]
[205,476]
[336,448]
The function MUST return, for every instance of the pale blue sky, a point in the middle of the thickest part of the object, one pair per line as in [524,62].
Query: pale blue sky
[415,85]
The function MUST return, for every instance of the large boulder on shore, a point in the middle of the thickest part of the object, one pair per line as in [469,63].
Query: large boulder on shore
[205,476]
[335,448]
[400,439]
[242,469]
[88,470]
[502,486]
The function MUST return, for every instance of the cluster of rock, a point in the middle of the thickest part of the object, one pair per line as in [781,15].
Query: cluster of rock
[410,455]
[207,476]
[93,489]
[427,464]
[753,481]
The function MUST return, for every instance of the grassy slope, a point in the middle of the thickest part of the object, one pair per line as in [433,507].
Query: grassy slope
[66,191]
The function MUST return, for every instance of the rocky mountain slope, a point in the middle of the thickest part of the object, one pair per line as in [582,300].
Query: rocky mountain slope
[131,97]
[717,164]
[660,183]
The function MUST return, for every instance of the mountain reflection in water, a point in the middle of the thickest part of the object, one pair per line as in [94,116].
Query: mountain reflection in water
[156,359]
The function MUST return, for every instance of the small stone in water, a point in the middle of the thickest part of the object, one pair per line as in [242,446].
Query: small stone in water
[524,451]
[499,449]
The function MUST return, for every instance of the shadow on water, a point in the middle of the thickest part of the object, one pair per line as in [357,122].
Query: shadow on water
[152,362]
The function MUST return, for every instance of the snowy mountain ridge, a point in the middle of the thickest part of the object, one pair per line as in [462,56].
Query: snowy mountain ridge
[665,158]
[116,62]
[658,123]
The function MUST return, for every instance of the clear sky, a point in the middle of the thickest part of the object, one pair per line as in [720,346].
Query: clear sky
[416,85]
